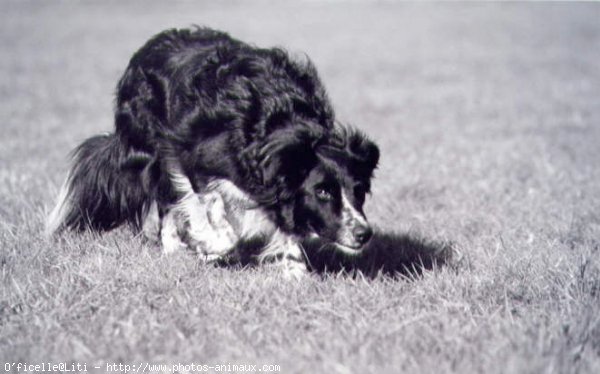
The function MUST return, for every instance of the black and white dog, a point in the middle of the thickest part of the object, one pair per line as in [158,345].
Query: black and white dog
[226,142]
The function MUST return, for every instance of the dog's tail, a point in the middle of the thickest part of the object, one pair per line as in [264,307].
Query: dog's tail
[103,189]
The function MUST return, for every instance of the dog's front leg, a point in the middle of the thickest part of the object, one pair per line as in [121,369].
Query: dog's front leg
[201,218]
[207,230]
[163,228]
[286,252]
[169,233]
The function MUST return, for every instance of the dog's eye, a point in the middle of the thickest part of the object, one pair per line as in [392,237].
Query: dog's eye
[323,194]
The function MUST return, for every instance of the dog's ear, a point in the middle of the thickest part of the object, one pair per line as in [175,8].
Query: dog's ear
[364,149]
[286,159]
[353,147]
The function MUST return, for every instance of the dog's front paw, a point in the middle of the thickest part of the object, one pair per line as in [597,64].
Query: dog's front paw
[212,241]
[293,269]
[295,274]
[169,235]
[210,258]
[210,233]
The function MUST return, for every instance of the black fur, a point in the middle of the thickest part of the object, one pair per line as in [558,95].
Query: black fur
[387,253]
[218,108]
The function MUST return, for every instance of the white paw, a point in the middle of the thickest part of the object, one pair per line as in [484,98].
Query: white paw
[169,236]
[294,270]
[210,259]
[172,243]
[210,232]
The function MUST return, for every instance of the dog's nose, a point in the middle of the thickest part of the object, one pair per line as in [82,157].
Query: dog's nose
[362,234]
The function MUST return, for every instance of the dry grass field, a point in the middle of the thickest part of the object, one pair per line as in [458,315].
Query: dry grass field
[488,119]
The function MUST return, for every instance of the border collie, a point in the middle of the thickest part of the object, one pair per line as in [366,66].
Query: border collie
[232,141]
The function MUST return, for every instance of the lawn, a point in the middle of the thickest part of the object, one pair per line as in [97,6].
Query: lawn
[488,120]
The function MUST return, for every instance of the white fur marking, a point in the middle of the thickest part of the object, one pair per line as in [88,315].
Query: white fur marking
[205,213]
[290,250]
[245,214]
[57,216]
[222,214]
[350,218]
[168,234]
[351,212]
[250,220]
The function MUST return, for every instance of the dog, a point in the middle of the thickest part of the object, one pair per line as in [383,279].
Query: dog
[225,142]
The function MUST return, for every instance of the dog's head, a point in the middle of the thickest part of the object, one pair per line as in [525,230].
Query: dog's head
[322,185]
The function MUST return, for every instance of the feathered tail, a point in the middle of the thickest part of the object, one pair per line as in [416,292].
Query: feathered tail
[103,189]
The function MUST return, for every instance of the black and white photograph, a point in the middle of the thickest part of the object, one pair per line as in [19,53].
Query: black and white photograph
[299,186]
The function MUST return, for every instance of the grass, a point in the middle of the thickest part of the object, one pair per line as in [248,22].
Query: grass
[487,117]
